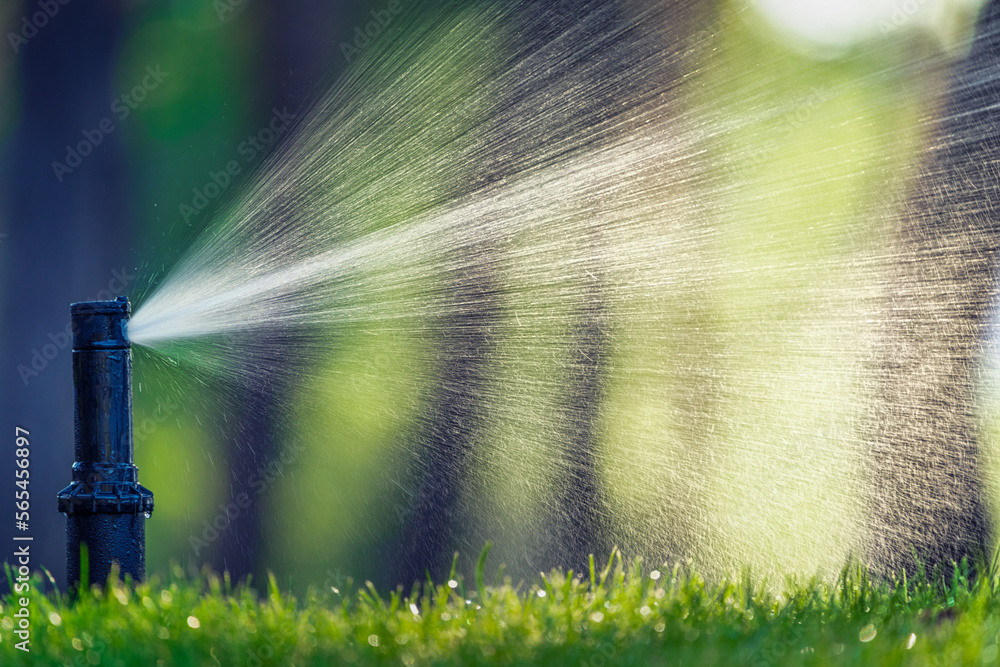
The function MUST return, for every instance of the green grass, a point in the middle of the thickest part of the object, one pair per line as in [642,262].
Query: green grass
[619,616]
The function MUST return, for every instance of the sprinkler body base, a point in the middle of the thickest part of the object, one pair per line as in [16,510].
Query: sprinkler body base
[110,539]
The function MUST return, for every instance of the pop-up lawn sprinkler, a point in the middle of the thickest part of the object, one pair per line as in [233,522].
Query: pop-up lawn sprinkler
[105,506]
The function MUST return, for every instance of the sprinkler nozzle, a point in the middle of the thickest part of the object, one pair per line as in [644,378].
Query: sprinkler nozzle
[105,506]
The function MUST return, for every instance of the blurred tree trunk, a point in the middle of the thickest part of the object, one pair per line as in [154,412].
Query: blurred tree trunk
[641,48]
[926,491]
[453,426]
[300,53]
[67,240]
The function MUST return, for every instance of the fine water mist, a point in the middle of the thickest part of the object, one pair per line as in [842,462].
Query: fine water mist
[654,235]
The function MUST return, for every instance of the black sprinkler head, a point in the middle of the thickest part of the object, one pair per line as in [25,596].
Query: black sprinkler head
[105,506]
[101,325]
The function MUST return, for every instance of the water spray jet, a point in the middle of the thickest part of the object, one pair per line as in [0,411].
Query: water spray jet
[105,506]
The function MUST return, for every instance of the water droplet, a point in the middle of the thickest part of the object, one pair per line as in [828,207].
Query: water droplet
[867,633]
[911,641]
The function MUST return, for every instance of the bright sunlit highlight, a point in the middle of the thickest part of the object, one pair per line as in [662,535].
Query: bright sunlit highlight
[846,22]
